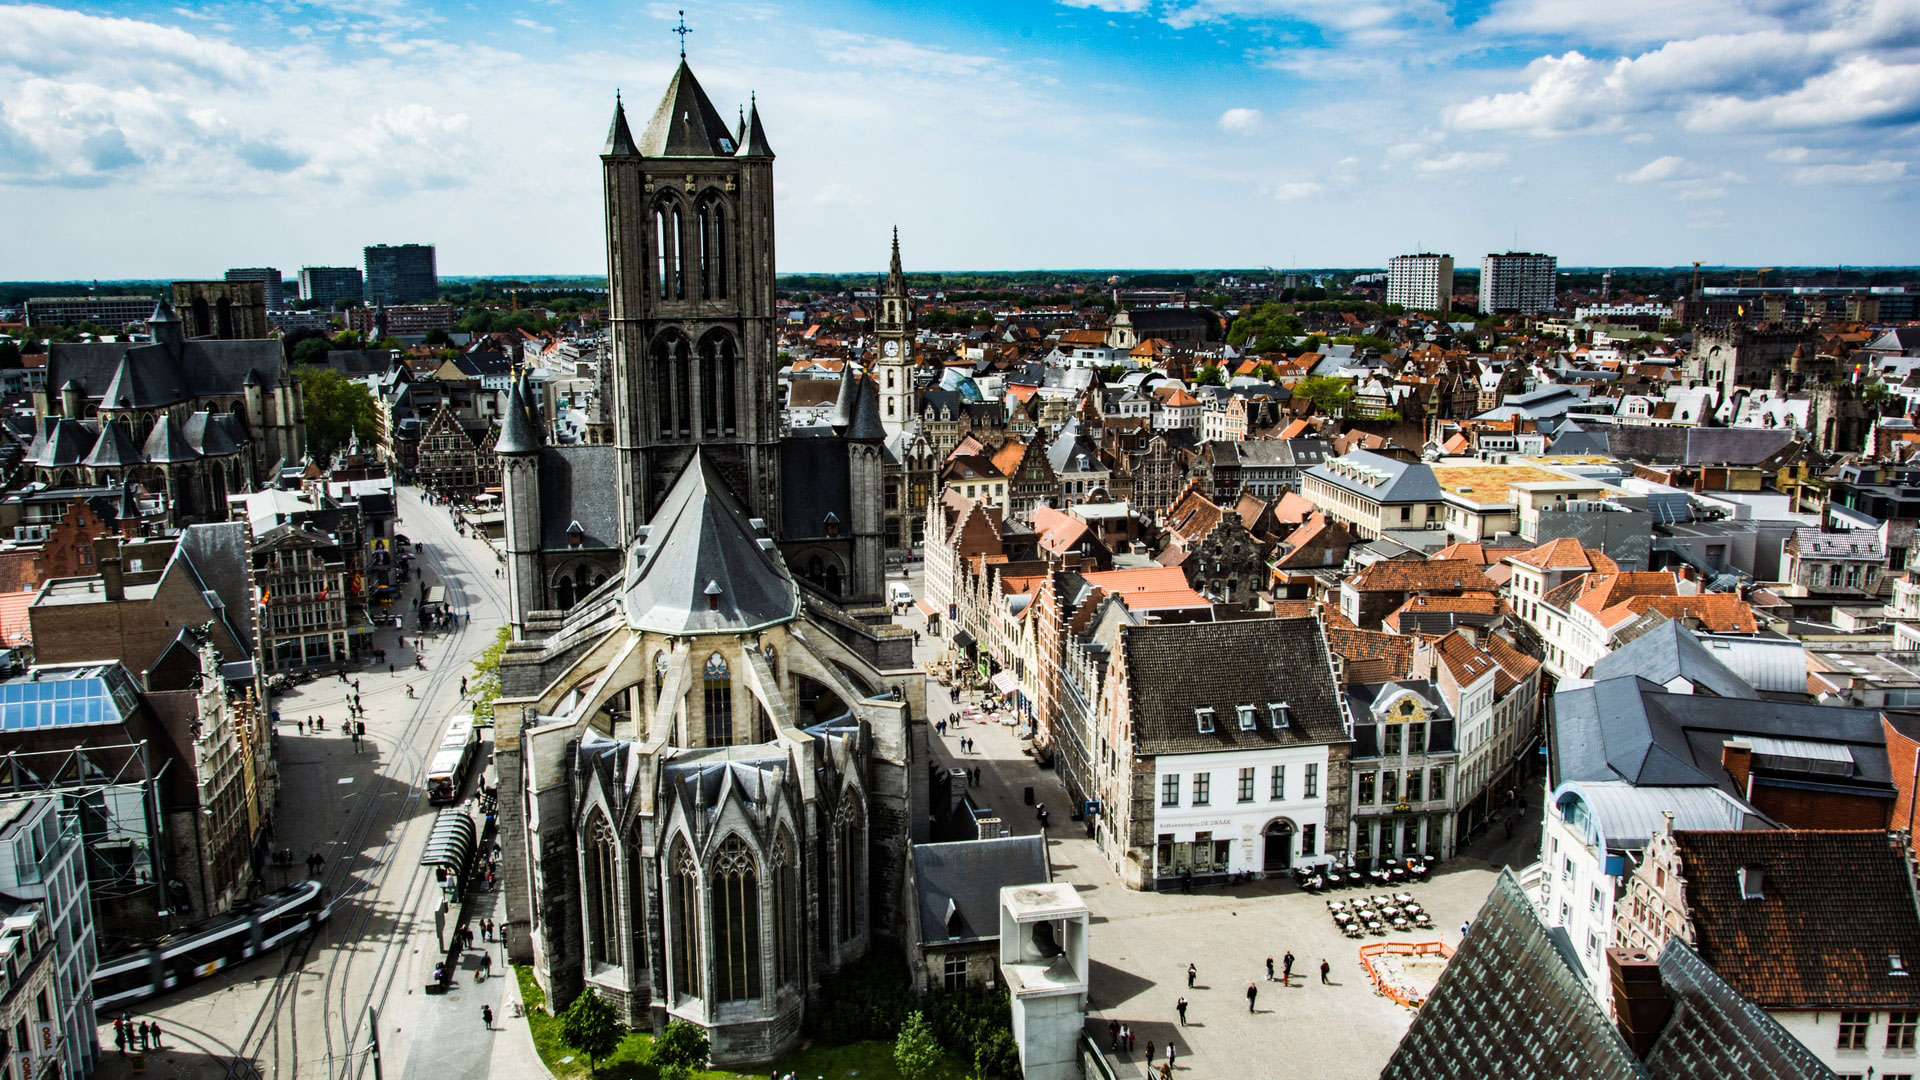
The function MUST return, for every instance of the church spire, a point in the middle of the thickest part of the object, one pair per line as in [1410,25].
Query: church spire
[754,142]
[619,138]
[896,278]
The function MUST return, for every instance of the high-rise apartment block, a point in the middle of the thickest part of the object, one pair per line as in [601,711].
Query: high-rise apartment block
[269,278]
[1518,281]
[326,284]
[46,911]
[1420,282]
[401,274]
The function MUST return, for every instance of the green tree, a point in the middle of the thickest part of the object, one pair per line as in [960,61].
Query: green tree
[337,409]
[916,1052]
[312,351]
[590,1026]
[486,676]
[1330,395]
[348,339]
[437,337]
[678,1051]
[1210,375]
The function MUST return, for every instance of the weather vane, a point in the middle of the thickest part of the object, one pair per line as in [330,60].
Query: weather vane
[683,30]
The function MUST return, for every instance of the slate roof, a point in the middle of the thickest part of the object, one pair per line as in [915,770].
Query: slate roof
[686,124]
[1380,478]
[959,884]
[199,367]
[578,483]
[1670,651]
[519,431]
[1716,1032]
[1628,728]
[1834,907]
[1248,662]
[814,482]
[704,566]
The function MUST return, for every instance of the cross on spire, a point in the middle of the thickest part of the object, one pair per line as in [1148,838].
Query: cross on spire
[683,30]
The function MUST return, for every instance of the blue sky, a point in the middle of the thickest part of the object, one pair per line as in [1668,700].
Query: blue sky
[158,139]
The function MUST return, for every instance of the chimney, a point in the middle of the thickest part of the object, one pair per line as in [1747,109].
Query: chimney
[1640,1004]
[1737,756]
[106,553]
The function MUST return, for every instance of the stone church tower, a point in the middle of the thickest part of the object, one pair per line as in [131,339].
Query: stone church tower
[690,268]
[893,342]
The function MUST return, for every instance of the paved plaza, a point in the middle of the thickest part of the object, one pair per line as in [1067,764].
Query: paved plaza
[1143,942]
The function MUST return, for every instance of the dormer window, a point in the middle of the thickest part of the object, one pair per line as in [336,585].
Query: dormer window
[1247,722]
[575,534]
[833,524]
[1281,714]
[1204,718]
[1751,878]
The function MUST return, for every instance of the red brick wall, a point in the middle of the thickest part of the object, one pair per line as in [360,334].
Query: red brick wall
[1900,758]
[1799,809]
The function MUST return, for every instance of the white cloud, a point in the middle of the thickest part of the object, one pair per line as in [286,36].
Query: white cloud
[1878,171]
[872,53]
[1618,22]
[1298,189]
[1788,154]
[1240,121]
[1116,7]
[529,24]
[1566,94]
[1863,90]
[1460,161]
[1661,168]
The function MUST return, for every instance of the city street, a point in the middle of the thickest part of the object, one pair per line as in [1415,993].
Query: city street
[303,1012]
[1143,942]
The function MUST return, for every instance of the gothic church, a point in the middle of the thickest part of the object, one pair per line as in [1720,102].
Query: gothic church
[710,740]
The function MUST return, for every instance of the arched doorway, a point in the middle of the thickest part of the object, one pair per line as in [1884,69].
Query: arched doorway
[1279,853]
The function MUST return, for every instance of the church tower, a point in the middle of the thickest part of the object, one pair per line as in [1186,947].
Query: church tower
[690,269]
[893,341]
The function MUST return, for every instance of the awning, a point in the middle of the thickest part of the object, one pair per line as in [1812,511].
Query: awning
[452,841]
[1004,682]
[926,609]
[963,640]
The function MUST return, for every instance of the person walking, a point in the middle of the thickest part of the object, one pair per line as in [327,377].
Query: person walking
[154,1026]
[486,965]
[1172,1054]
[1269,969]
[1253,991]
[1113,1035]
[1192,973]
[486,1016]
[1126,1035]
[1286,969]
[1325,970]
[1149,1053]
[1181,1008]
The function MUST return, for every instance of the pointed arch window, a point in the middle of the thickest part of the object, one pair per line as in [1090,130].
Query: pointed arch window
[717,386]
[663,250]
[786,912]
[679,254]
[602,895]
[848,851]
[703,220]
[719,701]
[685,922]
[736,923]
[720,248]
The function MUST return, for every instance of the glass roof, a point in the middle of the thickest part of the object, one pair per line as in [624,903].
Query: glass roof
[71,695]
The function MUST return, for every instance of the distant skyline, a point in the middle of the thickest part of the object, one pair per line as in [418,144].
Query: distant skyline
[163,140]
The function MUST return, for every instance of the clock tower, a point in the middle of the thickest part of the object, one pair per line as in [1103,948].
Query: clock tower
[893,347]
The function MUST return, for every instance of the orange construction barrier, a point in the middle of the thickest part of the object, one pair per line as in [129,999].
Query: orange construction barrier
[1400,948]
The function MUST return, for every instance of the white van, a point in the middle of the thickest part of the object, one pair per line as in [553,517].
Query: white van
[899,596]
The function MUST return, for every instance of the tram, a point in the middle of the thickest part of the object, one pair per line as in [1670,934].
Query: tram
[447,772]
[249,930]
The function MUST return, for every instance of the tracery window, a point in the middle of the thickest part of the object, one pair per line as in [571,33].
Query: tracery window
[847,852]
[603,896]
[786,912]
[736,923]
[719,701]
[686,922]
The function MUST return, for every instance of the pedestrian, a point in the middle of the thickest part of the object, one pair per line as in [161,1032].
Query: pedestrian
[1269,969]
[1172,1054]
[1149,1053]
[486,964]
[1113,1035]
[1192,973]
[1181,1008]
[1129,1034]
[486,1016]
[389,669]
[154,1025]
[1253,991]
[1463,927]
[1286,969]
[1325,970]
[119,1037]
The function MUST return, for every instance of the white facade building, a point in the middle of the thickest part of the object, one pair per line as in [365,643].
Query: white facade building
[40,862]
[1260,811]
[1518,281]
[1420,282]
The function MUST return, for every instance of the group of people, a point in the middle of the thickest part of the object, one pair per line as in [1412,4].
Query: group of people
[1120,1040]
[131,1034]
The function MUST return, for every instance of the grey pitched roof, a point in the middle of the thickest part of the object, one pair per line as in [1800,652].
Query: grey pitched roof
[145,378]
[1253,662]
[114,448]
[1670,651]
[959,883]
[1380,478]
[214,436]
[1070,445]
[202,367]
[218,553]
[619,138]
[167,443]
[518,431]
[703,566]
[579,483]
[61,441]
[1628,728]
[814,483]
[686,124]
[755,144]
[1716,1032]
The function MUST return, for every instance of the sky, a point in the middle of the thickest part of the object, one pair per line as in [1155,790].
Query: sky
[176,140]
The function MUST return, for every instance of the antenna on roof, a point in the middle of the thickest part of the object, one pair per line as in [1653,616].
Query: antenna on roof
[683,31]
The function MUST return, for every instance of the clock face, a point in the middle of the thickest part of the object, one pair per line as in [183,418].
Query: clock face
[891,348]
